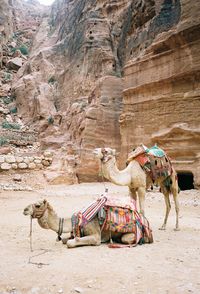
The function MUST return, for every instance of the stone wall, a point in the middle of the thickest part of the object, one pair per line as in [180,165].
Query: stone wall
[17,162]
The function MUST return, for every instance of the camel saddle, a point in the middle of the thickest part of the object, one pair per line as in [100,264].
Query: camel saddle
[116,216]
[154,161]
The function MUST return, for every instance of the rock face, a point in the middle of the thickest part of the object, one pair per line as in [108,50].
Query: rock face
[113,73]
[162,93]
[76,62]
[6,25]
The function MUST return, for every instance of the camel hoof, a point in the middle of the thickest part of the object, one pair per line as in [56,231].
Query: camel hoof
[177,229]
[162,229]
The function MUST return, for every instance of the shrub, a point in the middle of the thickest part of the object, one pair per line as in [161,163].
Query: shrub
[7,125]
[13,110]
[3,141]
[52,80]
[7,99]
[23,49]
[50,120]
[7,76]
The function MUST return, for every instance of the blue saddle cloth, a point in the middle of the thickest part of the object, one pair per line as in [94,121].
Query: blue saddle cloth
[155,151]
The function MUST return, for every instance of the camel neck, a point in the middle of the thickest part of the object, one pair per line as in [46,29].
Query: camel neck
[50,220]
[116,176]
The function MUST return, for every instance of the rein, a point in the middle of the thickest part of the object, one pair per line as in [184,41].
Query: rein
[102,177]
[37,215]
[30,235]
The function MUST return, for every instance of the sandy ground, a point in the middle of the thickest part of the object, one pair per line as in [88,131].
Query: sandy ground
[170,265]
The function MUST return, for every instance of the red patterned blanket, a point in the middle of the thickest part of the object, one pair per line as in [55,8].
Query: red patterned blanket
[114,216]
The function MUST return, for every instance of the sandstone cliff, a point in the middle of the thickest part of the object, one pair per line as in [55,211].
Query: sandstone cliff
[74,75]
[113,73]
[162,93]
[6,24]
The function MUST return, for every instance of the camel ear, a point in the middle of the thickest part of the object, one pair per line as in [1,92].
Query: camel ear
[44,201]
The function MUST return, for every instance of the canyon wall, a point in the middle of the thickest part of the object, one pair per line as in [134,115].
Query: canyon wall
[6,24]
[161,96]
[112,73]
[70,90]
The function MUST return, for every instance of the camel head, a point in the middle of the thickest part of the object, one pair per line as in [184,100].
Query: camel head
[36,210]
[104,154]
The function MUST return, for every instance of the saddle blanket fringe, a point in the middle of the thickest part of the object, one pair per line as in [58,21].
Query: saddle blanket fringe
[114,216]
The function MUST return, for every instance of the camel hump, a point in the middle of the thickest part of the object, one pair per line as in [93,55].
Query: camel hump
[143,150]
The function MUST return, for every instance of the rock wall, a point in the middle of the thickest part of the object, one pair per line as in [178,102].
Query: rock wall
[113,73]
[74,76]
[6,24]
[161,94]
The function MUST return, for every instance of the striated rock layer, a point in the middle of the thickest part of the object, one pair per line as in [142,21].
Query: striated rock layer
[113,73]
[70,90]
[161,94]
[6,24]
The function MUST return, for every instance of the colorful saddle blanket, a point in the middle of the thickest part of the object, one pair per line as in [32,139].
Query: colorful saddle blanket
[155,151]
[114,216]
[142,149]
[118,217]
[153,160]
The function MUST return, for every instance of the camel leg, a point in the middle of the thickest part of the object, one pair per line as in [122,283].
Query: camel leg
[133,195]
[176,202]
[84,241]
[128,238]
[141,195]
[168,207]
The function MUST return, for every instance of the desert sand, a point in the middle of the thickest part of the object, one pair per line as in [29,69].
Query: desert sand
[170,265]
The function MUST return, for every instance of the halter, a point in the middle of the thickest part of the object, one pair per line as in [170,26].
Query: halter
[39,213]
[103,159]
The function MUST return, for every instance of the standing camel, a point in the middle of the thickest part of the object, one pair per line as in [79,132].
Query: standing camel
[138,181]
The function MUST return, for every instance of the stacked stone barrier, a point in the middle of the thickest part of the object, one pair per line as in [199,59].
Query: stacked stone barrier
[19,162]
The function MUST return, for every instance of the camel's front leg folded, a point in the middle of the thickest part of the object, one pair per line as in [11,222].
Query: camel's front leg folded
[128,238]
[84,241]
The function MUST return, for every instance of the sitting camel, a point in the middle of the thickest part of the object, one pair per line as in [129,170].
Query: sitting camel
[138,181]
[92,233]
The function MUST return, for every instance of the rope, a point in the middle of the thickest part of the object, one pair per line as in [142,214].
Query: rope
[30,235]
[102,177]
[39,264]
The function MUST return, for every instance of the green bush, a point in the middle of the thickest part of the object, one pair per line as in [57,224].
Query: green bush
[13,110]
[52,80]
[50,120]
[3,141]
[7,99]
[7,76]
[7,125]
[23,49]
